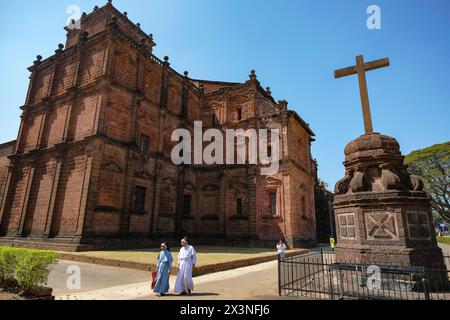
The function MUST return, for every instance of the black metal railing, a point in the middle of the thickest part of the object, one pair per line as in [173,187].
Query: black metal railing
[316,275]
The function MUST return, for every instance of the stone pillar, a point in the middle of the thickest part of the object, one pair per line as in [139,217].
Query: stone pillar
[128,195]
[3,204]
[223,197]
[84,196]
[382,213]
[180,200]
[52,199]
[252,206]
[29,183]
[153,229]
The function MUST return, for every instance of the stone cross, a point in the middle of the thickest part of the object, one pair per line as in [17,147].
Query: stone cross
[360,68]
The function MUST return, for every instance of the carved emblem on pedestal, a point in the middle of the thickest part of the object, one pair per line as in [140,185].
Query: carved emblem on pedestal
[347,226]
[381,226]
[418,224]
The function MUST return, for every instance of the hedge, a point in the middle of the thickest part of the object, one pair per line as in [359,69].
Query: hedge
[26,268]
[445,240]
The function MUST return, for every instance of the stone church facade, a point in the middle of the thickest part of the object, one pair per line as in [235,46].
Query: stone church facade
[92,167]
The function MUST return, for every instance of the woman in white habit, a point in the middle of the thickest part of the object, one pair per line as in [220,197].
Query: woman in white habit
[187,258]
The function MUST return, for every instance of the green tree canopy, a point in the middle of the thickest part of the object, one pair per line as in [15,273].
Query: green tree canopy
[433,165]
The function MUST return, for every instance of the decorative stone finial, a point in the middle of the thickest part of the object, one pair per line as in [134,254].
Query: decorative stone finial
[166,61]
[83,15]
[138,25]
[109,2]
[95,8]
[283,104]
[268,91]
[125,14]
[252,75]
[60,48]
[150,36]
[186,74]
[38,60]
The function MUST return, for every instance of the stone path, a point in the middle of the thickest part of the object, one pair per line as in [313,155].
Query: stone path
[93,277]
[445,249]
[109,283]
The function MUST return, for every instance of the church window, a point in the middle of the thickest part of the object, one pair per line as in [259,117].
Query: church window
[143,145]
[139,199]
[187,205]
[239,207]
[273,203]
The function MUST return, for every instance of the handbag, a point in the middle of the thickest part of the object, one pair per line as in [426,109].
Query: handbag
[154,276]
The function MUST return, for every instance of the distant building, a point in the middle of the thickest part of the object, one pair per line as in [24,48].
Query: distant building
[325,223]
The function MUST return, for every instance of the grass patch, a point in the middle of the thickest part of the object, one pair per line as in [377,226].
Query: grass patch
[445,240]
[206,255]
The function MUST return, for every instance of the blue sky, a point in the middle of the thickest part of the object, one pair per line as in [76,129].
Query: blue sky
[293,45]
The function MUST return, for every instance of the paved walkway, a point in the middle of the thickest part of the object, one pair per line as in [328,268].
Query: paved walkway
[93,277]
[445,249]
[109,283]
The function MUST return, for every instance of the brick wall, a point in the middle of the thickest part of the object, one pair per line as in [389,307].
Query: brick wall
[68,199]
[56,120]
[39,199]
[6,149]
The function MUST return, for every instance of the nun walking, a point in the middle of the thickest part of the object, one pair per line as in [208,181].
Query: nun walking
[187,258]
[164,265]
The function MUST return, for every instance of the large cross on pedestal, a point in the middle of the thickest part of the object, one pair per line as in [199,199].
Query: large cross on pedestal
[360,69]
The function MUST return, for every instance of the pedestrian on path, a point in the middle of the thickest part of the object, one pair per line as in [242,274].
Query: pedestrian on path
[164,265]
[187,258]
[281,247]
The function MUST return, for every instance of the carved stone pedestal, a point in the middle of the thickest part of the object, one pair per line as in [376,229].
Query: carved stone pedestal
[383,216]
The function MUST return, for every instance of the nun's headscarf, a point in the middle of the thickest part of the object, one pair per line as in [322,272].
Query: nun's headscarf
[165,245]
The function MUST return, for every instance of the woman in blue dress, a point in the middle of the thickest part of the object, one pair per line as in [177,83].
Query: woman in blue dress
[164,265]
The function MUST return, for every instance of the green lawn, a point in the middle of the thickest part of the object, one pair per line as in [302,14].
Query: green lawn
[206,255]
[445,240]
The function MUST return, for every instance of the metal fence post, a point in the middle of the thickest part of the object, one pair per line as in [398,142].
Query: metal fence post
[330,275]
[425,288]
[279,275]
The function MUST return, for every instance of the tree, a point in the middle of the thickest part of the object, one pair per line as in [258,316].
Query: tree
[433,165]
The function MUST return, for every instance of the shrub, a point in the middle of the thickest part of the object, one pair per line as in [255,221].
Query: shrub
[445,240]
[32,270]
[27,268]
[8,261]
